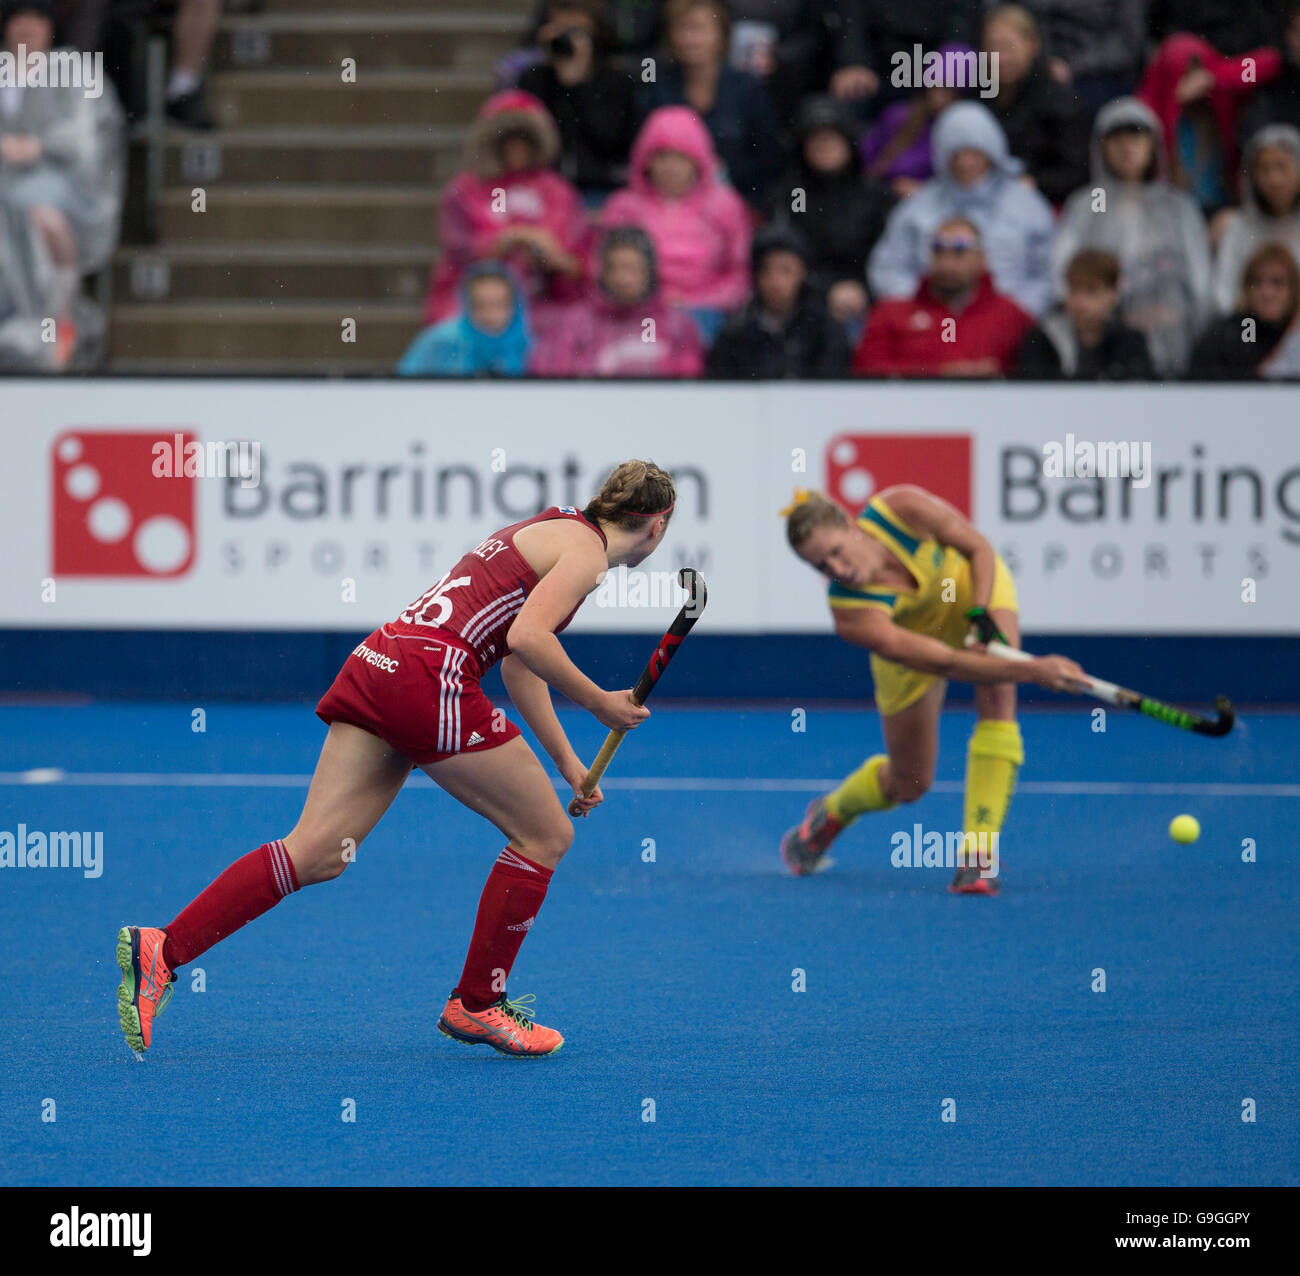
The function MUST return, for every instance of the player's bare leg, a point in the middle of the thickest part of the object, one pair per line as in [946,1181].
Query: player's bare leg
[993,760]
[508,786]
[356,779]
[902,774]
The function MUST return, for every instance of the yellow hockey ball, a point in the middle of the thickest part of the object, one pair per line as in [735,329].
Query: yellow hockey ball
[1184,829]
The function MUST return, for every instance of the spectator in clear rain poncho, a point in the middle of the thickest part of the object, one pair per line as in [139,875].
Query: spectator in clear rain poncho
[62,163]
[1156,230]
[1270,208]
[24,274]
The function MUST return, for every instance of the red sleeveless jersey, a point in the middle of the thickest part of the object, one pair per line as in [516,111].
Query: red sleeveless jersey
[479,598]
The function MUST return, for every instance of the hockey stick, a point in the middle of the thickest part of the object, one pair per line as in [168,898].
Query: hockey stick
[1169,714]
[650,675]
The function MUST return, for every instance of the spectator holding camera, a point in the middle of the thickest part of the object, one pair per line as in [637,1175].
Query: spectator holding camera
[593,102]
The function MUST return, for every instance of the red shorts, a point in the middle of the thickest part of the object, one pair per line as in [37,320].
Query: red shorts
[421,695]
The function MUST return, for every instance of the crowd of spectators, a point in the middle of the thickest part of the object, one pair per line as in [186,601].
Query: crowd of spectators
[759,189]
[754,189]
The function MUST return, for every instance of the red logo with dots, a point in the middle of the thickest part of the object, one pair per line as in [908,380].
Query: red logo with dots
[860,465]
[112,516]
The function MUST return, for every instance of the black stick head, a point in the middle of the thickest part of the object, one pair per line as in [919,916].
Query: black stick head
[691,581]
[1223,724]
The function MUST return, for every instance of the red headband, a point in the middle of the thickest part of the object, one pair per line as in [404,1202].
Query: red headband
[652,514]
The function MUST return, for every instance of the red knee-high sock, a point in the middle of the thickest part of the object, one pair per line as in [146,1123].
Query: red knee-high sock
[508,907]
[245,890]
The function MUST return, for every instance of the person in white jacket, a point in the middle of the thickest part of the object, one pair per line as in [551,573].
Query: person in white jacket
[978,179]
[1156,230]
[62,159]
[1269,213]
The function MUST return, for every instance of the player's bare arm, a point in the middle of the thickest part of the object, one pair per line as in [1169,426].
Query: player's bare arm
[578,564]
[872,628]
[935,519]
[532,697]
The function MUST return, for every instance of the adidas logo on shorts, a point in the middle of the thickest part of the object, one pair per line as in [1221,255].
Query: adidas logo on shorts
[474,738]
[524,925]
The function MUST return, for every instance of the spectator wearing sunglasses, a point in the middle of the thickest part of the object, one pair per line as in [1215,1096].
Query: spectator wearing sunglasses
[957,324]
[979,180]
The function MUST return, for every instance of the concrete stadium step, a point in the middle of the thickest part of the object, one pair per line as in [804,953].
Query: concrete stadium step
[241,99]
[378,155]
[309,213]
[289,334]
[459,38]
[241,270]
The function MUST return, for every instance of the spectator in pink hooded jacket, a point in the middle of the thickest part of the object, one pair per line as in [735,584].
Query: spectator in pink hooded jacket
[700,227]
[1197,93]
[623,328]
[510,204]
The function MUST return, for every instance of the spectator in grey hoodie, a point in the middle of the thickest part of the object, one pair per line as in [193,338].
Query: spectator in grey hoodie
[1156,230]
[1270,208]
[976,178]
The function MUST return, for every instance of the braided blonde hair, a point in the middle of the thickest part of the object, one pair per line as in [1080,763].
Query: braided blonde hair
[808,511]
[633,492]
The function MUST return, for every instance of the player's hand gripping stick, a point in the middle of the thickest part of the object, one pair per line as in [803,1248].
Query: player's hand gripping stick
[693,582]
[1122,697]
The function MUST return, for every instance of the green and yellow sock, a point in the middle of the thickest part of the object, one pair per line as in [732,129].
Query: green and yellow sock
[993,760]
[859,793]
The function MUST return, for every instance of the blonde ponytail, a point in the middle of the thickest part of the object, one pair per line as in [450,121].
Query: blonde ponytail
[807,511]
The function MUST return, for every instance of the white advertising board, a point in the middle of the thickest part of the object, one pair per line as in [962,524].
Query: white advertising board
[366,492]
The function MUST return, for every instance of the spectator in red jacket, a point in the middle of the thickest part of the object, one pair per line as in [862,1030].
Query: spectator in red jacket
[510,204]
[955,326]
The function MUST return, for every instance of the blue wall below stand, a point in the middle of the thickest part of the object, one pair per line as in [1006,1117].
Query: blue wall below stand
[239,665]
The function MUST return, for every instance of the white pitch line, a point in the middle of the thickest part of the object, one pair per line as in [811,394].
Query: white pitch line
[647,783]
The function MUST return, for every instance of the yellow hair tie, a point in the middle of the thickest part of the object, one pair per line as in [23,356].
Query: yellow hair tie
[800,496]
